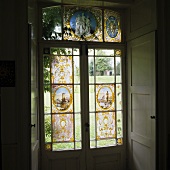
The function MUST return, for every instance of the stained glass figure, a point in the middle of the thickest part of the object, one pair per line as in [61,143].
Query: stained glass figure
[112,29]
[82,24]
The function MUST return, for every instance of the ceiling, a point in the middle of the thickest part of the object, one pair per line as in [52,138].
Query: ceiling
[101,3]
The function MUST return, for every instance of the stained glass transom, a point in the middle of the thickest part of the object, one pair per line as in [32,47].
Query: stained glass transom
[62,109]
[75,23]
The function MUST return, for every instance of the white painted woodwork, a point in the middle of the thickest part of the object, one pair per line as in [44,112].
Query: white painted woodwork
[141,18]
[141,103]
[34,98]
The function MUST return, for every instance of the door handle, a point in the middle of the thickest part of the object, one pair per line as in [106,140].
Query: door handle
[153,117]
[32,125]
[87,127]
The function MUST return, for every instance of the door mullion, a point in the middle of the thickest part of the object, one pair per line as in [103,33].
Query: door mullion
[84,93]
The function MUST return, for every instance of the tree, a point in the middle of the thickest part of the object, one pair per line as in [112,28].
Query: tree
[51,17]
[103,64]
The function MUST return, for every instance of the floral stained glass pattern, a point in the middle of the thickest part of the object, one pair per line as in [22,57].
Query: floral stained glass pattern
[62,109]
[61,69]
[105,125]
[63,127]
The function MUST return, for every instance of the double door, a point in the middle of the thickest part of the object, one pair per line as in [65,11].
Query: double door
[82,115]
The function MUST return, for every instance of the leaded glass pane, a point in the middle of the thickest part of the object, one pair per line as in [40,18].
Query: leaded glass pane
[61,69]
[47,123]
[46,69]
[48,147]
[82,24]
[119,96]
[106,143]
[104,69]
[47,99]
[62,98]
[77,104]
[76,69]
[112,29]
[52,23]
[119,124]
[63,128]
[78,127]
[91,69]
[78,145]
[91,98]
[105,97]
[105,125]
[118,70]
[92,126]
[63,146]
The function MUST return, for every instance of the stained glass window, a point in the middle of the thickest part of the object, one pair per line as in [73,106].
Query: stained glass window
[73,23]
[105,97]
[62,109]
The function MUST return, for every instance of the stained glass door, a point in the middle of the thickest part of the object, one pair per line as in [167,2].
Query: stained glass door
[83,106]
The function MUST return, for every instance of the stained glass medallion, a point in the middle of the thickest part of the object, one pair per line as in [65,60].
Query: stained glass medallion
[112,30]
[104,97]
[82,24]
[62,98]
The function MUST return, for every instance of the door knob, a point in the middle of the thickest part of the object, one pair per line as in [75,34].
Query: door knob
[153,117]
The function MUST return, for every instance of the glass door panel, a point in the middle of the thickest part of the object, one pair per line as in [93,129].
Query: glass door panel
[105,97]
[62,108]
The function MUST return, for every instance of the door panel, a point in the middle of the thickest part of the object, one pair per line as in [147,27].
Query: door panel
[100,131]
[141,105]
[34,102]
